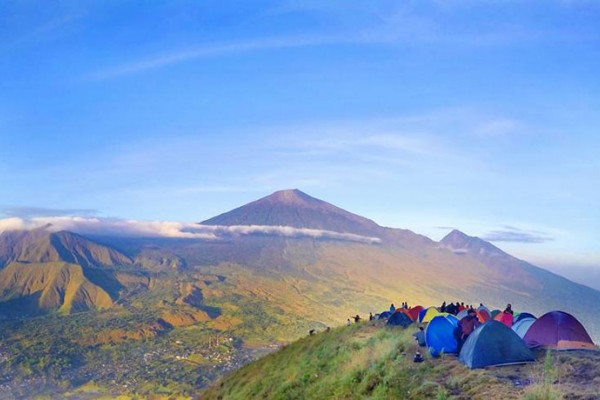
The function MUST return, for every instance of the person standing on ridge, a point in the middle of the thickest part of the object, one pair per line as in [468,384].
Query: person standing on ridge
[465,327]
[451,309]
[392,308]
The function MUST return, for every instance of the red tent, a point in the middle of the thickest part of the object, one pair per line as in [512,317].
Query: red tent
[505,318]
[404,311]
[413,312]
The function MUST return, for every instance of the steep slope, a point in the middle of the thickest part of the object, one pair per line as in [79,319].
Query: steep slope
[32,289]
[41,245]
[296,209]
[43,271]
[368,360]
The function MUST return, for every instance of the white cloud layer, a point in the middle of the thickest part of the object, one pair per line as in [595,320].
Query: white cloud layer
[169,229]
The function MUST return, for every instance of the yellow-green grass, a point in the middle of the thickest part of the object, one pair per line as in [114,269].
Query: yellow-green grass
[364,360]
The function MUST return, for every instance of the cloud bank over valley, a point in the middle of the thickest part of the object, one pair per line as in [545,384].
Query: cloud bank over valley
[169,229]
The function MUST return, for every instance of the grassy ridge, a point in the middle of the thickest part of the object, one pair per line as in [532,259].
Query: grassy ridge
[362,361]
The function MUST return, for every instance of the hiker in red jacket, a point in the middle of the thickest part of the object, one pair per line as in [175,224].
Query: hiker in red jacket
[465,327]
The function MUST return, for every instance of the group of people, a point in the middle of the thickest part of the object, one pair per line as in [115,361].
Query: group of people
[404,305]
[466,325]
[356,319]
[454,308]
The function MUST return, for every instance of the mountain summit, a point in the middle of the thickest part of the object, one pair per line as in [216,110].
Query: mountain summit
[298,210]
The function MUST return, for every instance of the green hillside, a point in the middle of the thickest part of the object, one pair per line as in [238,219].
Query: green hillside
[32,288]
[371,361]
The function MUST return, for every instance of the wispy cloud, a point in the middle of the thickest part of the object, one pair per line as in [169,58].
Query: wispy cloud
[498,127]
[397,26]
[170,229]
[26,212]
[389,25]
[513,234]
[209,51]
[40,32]
[358,136]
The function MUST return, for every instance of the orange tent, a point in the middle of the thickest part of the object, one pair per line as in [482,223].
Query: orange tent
[483,316]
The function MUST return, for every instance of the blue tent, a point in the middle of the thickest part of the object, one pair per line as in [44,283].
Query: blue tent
[439,335]
[384,315]
[399,319]
[494,343]
[522,326]
[524,315]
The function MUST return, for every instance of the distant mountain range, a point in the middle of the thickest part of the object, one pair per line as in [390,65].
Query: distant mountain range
[320,280]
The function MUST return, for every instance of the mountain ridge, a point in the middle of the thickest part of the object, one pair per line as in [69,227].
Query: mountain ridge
[42,245]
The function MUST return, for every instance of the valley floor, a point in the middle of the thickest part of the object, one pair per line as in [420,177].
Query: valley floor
[369,360]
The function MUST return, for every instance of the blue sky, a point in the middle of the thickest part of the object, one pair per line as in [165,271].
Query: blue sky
[426,115]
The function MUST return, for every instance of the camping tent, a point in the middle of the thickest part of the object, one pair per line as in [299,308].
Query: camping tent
[384,315]
[439,335]
[523,315]
[521,327]
[484,308]
[423,312]
[505,318]
[462,314]
[414,312]
[494,313]
[558,330]
[404,311]
[483,316]
[431,313]
[493,343]
[399,319]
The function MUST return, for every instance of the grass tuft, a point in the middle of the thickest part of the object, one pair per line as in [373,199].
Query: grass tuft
[545,389]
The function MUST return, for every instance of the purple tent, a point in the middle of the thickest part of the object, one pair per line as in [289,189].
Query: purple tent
[558,330]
